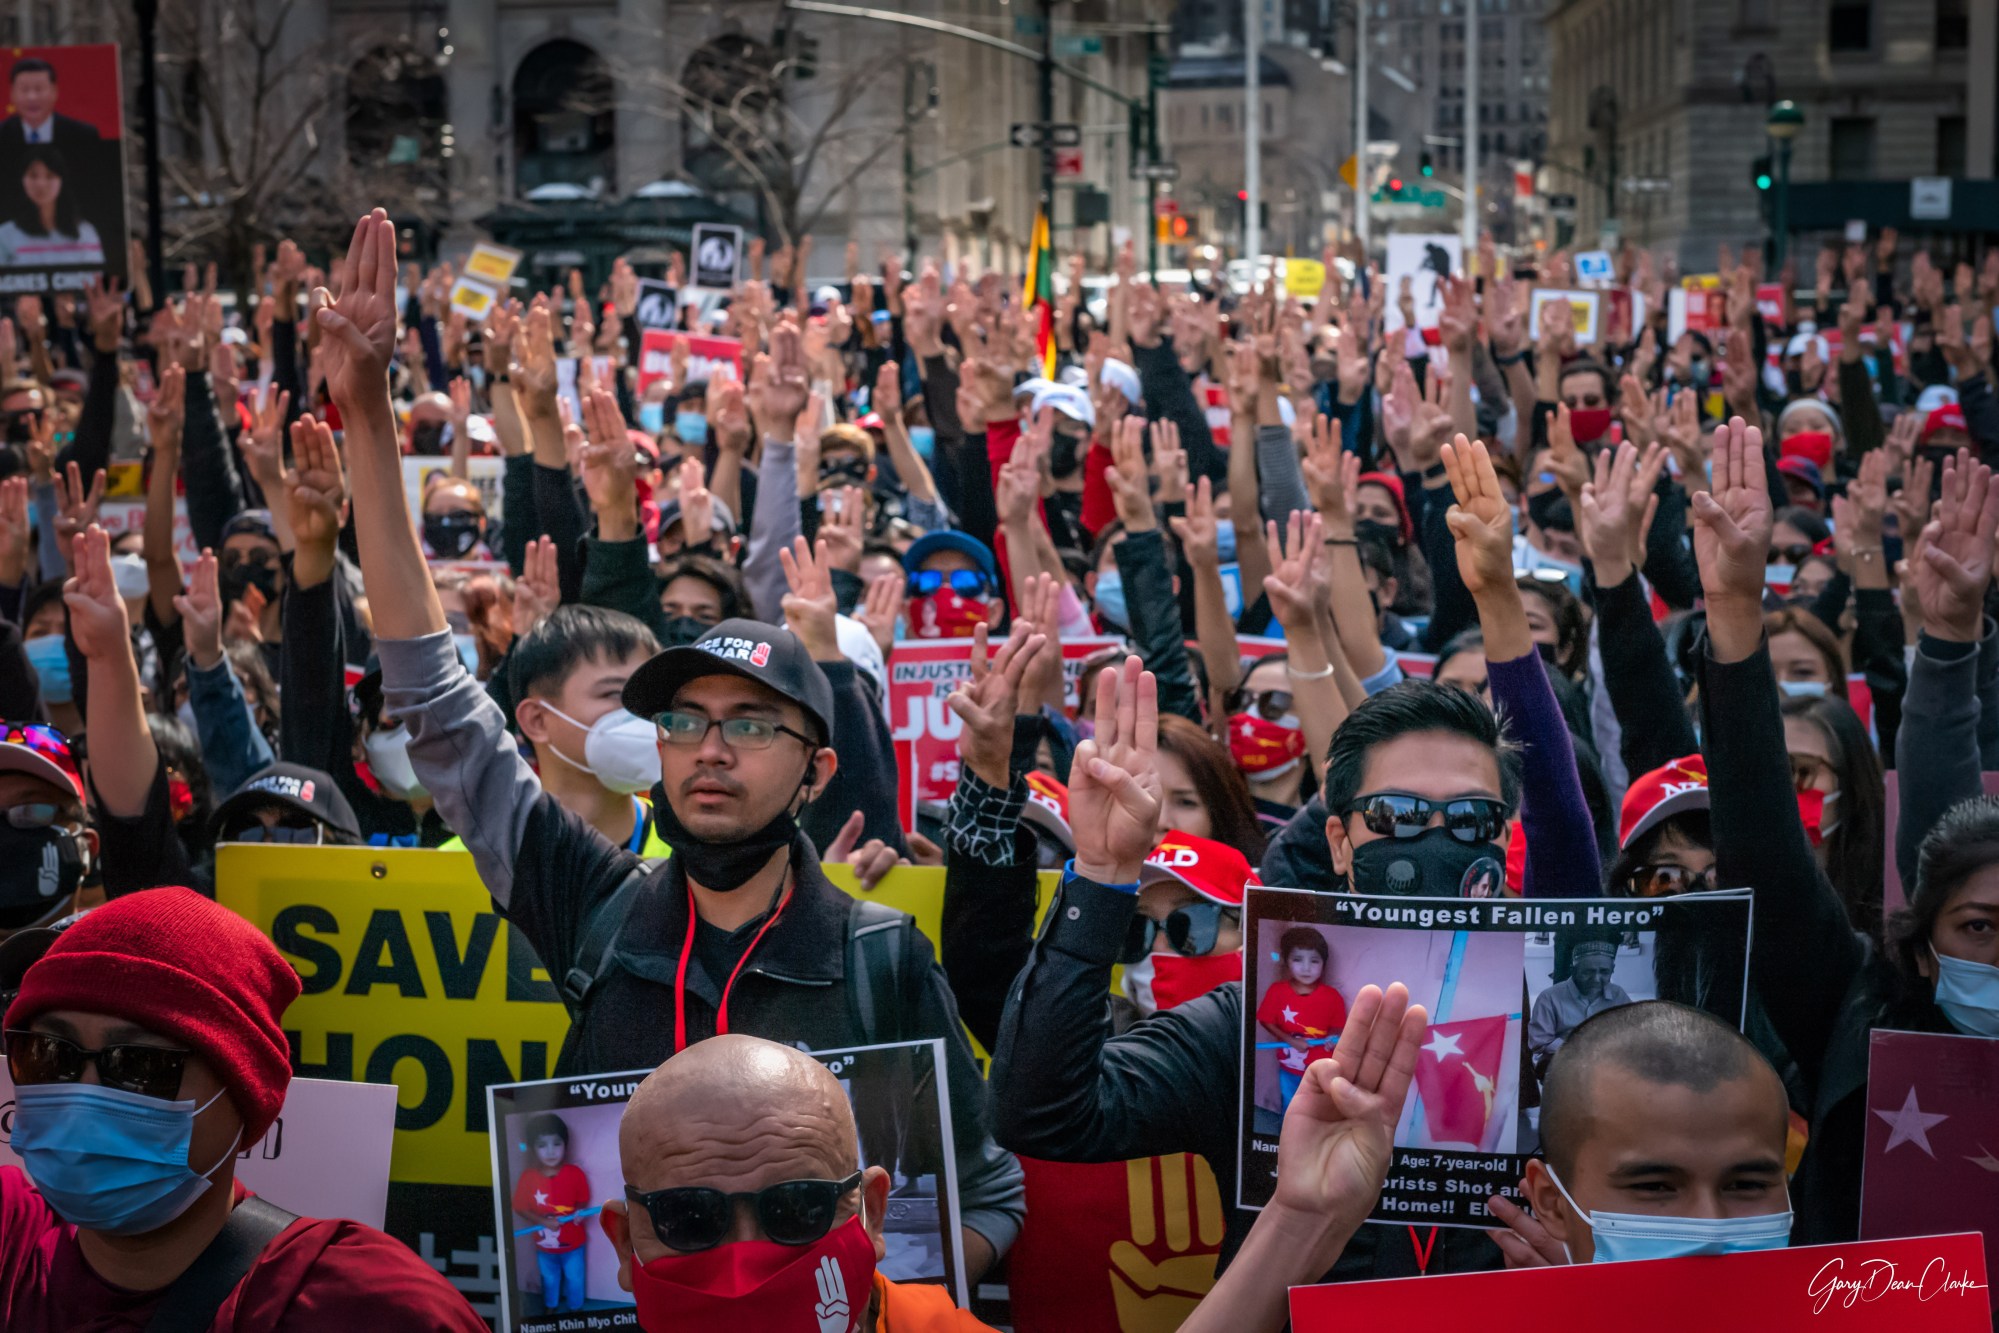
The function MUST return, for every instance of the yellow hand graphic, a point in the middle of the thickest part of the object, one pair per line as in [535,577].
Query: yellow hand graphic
[1161,1273]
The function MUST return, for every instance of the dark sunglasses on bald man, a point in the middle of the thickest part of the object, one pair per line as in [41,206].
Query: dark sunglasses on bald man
[691,1218]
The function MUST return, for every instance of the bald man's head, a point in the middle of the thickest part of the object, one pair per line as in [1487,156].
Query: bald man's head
[737,1114]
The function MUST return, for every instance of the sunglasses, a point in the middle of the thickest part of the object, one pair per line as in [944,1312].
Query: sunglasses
[1270,705]
[43,1057]
[1398,815]
[35,814]
[964,582]
[1666,881]
[738,733]
[793,1212]
[1191,930]
[255,831]
[1795,554]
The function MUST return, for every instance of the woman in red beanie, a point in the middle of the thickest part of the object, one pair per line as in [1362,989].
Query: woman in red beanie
[146,1051]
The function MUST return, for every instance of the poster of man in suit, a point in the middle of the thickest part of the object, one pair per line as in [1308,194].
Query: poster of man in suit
[62,178]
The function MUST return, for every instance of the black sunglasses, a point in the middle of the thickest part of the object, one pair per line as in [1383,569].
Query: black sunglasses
[792,1212]
[43,1057]
[1191,930]
[1270,705]
[1795,554]
[1398,815]
[1667,881]
[964,582]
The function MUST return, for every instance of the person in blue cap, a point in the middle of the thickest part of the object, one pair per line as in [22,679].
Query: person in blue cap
[953,585]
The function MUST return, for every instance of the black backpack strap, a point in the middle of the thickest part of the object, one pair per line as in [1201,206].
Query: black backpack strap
[600,934]
[875,948]
[191,1302]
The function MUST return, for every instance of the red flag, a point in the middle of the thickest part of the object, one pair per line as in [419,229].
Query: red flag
[1457,1076]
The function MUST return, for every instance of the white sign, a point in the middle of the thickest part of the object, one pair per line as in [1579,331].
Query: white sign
[1595,266]
[1929,198]
[1426,260]
[485,471]
[489,270]
[1583,312]
[326,1155]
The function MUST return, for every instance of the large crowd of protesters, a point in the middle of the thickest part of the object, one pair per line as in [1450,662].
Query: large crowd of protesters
[1397,595]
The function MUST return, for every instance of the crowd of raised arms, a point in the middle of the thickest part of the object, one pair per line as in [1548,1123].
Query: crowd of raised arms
[1387,595]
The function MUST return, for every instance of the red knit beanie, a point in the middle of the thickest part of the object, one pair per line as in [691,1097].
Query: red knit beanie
[180,965]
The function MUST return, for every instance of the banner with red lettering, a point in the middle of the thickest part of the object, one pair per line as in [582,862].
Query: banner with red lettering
[707,356]
[921,675]
[1932,1128]
[1931,1284]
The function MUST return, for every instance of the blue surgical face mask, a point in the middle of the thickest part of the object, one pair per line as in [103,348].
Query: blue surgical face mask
[923,439]
[691,427]
[51,663]
[1109,600]
[107,1159]
[1225,539]
[1622,1237]
[1802,689]
[468,651]
[1968,994]
[652,417]
[477,375]
[1779,576]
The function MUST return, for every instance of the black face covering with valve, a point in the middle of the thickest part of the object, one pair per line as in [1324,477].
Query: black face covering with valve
[1433,864]
[39,867]
[725,866]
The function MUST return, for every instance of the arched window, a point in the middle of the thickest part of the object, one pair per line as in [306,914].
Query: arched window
[565,129]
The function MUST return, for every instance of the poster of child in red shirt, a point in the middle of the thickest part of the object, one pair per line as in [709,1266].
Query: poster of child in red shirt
[1300,1009]
[551,1194]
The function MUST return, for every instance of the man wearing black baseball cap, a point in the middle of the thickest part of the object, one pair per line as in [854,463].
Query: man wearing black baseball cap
[739,930]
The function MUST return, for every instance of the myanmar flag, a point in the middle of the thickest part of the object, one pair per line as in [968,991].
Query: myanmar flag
[1038,294]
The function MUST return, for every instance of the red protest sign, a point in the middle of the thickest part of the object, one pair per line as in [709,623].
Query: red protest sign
[1770,302]
[1932,1126]
[707,356]
[1929,1284]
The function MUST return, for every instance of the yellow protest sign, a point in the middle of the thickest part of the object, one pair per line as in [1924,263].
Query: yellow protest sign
[410,977]
[1304,278]
[491,263]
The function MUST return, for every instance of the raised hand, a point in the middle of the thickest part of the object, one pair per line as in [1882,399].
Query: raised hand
[1331,473]
[1458,323]
[781,389]
[1169,460]
[315,491]
[881,608]
[200,610]
[1679,428]
[843,528]
[533,360]
[538,591]
[76,505]
[1127,476]
[1616,509]
[728,415]
[1292,582]
[1197,529]
[1523,1240]
[610,463]
[811,605]
[1857,515]
[1565,456]
[1955,564]
[1733,520]
[261,444]
[1481,521]
[15,528]
[97,620]
[1114,791]
[106,298]
[871,860]
[359,325]
[988,701]
[1041,609]
[1338,1134]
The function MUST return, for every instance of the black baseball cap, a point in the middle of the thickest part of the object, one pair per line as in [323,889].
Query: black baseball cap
[305,789]
[772,657]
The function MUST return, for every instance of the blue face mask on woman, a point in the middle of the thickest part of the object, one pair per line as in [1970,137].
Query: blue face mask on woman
[1621,1237]
[1968,994]
[110,1160]
[51,663]
[923,439]
[1109,600]
[652,417]
[691,427]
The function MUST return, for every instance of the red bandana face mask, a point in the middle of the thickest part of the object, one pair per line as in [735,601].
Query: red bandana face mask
[759,1284]
[944,615]
[1265,749]
[1589,424]
[1177,978]
[1813,808]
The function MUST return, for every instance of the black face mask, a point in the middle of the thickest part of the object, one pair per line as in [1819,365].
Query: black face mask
[1548,653]
[680,631]
[844,472]
[452,536]
[1550,510]
[1386,532]
[1433,864]
[427,438]
[724,866]
[38,868]
[1064,453]
[234,580]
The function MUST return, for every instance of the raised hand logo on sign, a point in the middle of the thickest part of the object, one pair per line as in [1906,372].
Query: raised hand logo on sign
[717,254]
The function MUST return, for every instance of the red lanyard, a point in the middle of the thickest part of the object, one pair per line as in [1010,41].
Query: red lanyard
[1423,1252]
[680,976]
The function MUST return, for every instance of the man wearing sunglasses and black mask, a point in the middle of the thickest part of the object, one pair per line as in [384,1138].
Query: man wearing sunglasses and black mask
[147,1050]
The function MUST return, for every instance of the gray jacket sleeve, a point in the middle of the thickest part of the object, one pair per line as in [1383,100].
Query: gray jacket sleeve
[1280,481]
[460,750]
[772,526]
[1936,751]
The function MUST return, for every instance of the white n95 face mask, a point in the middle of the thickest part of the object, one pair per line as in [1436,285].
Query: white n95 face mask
[389,760]
[620,750]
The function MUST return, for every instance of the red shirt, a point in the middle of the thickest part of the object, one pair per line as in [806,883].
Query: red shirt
[316,1277]
[565,1192]
[1318,1013]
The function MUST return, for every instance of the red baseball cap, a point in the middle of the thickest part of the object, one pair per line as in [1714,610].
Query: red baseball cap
[1212,869]
[1659,795]
[40,751]
[1948,417]
[1048,808]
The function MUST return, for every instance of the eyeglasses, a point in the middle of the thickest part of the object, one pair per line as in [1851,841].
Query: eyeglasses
[1270,705]
[43,1057]
[1794,554]
[256,831]
[793,1212]
[964,582]
[738,733]
[1399,815]
[1808,770]
[1191,930]
[1666,881]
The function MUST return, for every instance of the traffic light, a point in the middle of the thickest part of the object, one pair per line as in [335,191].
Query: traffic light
[1427,167]
[1759,172]
[1395,185]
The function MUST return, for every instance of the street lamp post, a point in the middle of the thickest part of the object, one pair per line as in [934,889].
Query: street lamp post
[1783,124]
